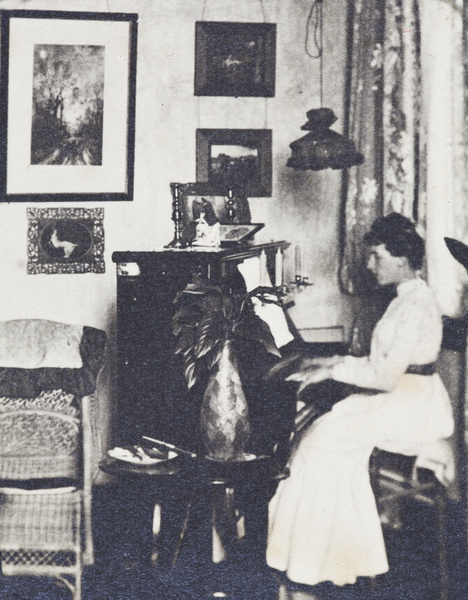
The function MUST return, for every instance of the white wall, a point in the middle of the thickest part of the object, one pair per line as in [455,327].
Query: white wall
[304,208]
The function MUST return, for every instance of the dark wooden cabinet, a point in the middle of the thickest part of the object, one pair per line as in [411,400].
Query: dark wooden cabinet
[151,395]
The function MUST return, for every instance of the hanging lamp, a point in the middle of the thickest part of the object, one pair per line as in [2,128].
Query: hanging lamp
[322,148]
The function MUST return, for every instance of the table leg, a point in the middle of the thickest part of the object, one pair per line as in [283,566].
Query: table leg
[176,512]
[224,521]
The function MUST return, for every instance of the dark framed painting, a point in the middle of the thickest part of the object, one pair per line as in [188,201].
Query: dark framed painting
[199,198]
[235,59]
[65,240]
[240,159]
[67,116]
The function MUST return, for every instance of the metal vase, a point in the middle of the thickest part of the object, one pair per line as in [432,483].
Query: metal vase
[224,417]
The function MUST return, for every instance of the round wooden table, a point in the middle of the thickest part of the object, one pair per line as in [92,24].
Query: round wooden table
[221,506]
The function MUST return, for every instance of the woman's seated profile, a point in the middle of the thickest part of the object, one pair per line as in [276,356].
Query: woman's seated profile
[323,519]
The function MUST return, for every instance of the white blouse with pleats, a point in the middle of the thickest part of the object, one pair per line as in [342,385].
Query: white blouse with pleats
[324,523]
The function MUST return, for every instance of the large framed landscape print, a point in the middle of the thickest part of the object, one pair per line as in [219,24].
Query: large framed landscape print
[67,115]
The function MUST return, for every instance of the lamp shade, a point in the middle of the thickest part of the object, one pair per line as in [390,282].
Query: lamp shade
[322,148]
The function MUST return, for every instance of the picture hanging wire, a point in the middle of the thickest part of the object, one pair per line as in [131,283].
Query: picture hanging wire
[262,6]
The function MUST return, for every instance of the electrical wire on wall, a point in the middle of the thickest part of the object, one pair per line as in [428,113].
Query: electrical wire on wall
[322,147]
[314,30]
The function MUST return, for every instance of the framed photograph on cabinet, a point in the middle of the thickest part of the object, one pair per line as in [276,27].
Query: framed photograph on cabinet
[236,158]
[212,201]
[67,117]
[65,240]
[235,59]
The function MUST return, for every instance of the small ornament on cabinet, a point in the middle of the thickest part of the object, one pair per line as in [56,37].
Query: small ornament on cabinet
[130,269]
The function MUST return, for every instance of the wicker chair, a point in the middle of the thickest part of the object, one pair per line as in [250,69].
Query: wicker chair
[47,442]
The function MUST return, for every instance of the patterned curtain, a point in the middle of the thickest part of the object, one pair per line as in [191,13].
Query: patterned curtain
[384,122]
[444,198]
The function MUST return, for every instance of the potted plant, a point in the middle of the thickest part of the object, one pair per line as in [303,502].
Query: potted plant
[210,323]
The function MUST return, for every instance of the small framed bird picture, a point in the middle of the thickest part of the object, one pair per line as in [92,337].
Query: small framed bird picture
[65,240]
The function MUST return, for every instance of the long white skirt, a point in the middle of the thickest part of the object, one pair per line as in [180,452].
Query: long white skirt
[323,519]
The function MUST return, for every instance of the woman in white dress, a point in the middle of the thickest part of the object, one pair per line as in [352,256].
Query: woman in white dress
[323,519]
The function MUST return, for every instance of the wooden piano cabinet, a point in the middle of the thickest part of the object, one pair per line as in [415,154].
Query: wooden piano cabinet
[152,395]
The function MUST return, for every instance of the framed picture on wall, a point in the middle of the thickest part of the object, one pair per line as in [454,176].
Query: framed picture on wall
[67,116]
[65,240]
[235,59]
[236,158]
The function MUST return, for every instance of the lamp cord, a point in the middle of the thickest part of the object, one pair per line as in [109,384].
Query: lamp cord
[315,23]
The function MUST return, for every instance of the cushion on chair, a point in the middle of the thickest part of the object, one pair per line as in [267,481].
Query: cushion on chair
[439,457]
[36,343]
[40,408]
[19,382]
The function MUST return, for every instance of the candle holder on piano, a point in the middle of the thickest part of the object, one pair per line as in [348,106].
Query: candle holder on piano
[284,293]
[287,291]
[231,206]
[301,282]
[177,217]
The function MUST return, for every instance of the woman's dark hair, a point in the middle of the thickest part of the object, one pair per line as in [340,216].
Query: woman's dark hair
[399,236]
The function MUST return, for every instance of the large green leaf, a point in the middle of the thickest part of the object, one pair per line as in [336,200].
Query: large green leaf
[199,287]
[210,332]
[185,339]
[186,316]
[267,295]
[210,303]
[254,328]
[190,374]
[207,315]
